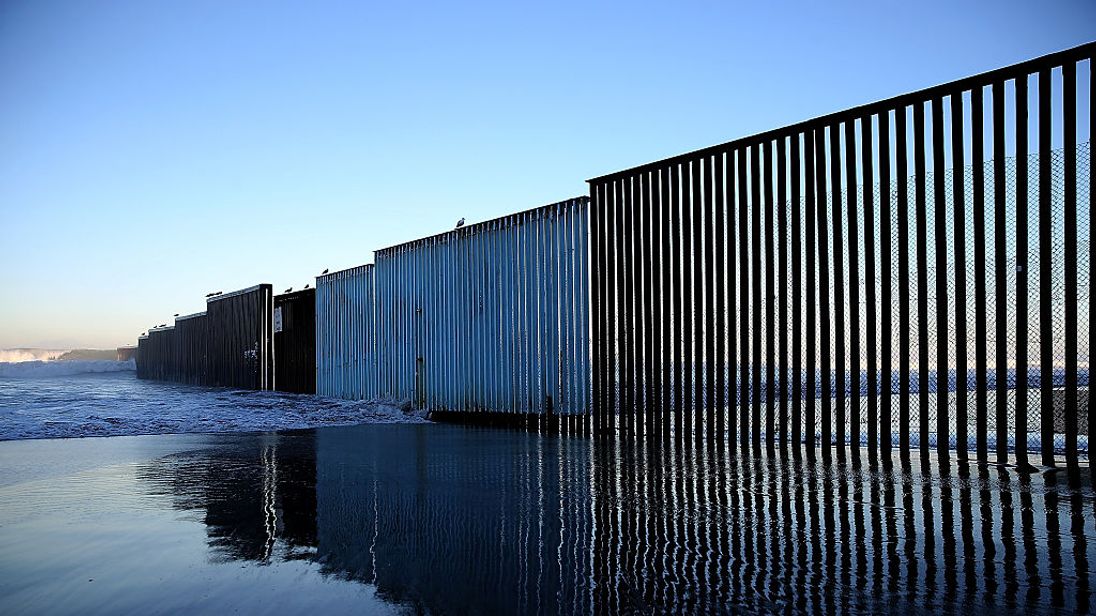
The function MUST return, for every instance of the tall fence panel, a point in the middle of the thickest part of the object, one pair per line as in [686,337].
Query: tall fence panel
[156,354]
[346,341]
[240,346]
[490,317]
[912,273]
[295,341]
[190,344]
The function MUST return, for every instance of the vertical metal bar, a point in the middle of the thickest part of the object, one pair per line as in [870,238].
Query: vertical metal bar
[1001,279]
[826,343]
[1072,333]
[688,367]
[840,364]
[902,181]
[633,329]
[696,186]
[677,229]
[624,304]
[867,142]
[797,359]
[613,349]
[853,242]
[734,183]
[981,332]
[940,237]
[886,346]
[650,296]
[770,299]
[756,370]
[666,261]
[743,299]
[959,243]
[598,332]
[710,316]
[721,288]
[810,147]
[1021,272]
[921,223]
[1046,276]
[780,287]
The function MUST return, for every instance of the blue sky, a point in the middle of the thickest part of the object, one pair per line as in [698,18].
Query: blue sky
[151,152]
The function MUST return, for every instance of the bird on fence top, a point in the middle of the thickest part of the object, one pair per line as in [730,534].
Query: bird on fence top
[306,286]
[210,294]
[460,223]
[288,290]
[324,272]
[175,315]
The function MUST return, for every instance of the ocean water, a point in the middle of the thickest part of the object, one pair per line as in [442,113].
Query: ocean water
[435,518]
[105,398]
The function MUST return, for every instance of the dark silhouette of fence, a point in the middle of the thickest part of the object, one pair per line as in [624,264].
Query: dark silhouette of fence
[295,341]
[228,345]
[911,273]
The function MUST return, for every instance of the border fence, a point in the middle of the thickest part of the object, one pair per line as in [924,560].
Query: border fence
[346,338]
[228,345]
[490,317]
[295,341]
[911,273]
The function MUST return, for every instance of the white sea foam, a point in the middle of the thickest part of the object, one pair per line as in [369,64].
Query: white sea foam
[116,403]
[41,369]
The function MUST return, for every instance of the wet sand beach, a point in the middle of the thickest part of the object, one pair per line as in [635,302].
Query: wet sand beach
[447,519]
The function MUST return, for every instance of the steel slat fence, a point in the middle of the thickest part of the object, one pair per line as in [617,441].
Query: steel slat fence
[912,273]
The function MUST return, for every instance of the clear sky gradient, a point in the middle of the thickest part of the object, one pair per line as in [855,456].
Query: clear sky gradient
[153,151]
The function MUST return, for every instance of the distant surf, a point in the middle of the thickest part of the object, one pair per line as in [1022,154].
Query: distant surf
[44,369]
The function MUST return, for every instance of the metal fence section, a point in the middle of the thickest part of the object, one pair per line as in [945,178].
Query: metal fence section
[346,341]
[490,317]
[911,273]
[295,341]
[228,345]
[241,332]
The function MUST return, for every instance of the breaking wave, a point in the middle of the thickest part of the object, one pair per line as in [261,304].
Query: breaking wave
[11,356]
[43,369]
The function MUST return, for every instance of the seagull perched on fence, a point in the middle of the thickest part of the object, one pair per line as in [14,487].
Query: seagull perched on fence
[288,290]
[460,223]
[324,272]
[306,286]
[175,315]
[210,294]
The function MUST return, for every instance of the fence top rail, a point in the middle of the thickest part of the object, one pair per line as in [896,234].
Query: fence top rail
[194,315]
[480,226]
[159,330]
[1049,61]
[264,285]
[357,269]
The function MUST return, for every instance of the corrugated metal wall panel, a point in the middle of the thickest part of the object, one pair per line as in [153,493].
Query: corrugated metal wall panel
[491,317]
[346,365]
